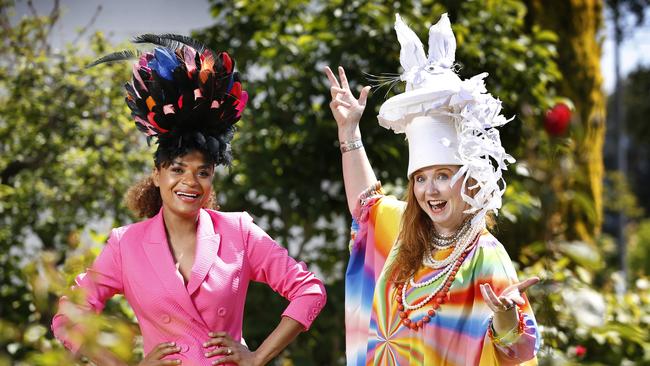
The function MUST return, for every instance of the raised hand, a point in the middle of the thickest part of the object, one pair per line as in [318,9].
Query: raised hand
[230,350]
[347,109]
[155,357]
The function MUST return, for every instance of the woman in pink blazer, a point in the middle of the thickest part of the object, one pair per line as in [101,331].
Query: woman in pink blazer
[185,270]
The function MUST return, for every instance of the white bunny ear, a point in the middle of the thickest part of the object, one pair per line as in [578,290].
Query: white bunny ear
[412,52]
[442,43]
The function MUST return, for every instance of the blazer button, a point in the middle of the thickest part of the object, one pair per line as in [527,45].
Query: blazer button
[315,311]
[311,317]
[166,318]
[222,312]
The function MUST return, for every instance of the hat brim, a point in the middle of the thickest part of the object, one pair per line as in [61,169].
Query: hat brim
[399,110]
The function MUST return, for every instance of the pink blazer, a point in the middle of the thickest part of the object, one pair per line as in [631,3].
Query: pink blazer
[230,251]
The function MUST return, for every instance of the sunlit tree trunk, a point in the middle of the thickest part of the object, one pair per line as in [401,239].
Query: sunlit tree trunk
[577,24]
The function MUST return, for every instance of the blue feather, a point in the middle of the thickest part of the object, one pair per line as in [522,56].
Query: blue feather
[230,84]
[164,62]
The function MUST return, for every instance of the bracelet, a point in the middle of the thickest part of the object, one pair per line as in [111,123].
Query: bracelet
[372,191]
[350,145]
[510,336]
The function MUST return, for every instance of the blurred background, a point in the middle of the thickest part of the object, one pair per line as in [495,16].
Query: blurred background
[575,74]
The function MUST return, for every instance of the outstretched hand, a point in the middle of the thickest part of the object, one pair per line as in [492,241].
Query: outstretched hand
[347,109]
[510,296]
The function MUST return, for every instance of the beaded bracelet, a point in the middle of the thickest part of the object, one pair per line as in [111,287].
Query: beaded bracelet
[374,190]
[509,337]
[350,145]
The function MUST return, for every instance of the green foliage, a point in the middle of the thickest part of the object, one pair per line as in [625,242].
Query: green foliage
[68,155]
[639,249]
[69,151]
[619,196]
[577,307]
[637,106]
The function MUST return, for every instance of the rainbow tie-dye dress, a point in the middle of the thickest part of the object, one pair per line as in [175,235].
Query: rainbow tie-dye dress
[457,334]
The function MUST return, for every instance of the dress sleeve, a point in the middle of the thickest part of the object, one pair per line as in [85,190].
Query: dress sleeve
[270,263]
[90,292]
[375,220]
[520,345]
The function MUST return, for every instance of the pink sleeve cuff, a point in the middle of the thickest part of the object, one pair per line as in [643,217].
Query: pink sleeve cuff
[69,335]
[305,309]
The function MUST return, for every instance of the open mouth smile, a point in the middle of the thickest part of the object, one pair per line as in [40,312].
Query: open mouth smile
[437,205]
[187,196]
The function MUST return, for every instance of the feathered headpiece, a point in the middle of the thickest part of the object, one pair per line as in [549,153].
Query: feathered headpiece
[448,121]
[183,94]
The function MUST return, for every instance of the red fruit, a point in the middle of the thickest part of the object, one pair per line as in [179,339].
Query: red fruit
[580,350]
[556,121]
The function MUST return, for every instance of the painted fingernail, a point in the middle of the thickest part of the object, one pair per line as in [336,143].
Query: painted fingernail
[172,343]
[207,354]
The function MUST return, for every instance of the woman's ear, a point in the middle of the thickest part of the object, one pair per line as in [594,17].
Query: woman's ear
[155,176]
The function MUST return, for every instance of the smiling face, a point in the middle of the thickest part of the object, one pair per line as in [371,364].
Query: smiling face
[441,202]
[185,184]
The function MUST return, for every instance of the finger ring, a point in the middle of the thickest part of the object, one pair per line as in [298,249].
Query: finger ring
[229,352]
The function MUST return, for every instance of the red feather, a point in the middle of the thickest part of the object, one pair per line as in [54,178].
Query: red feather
[227,62]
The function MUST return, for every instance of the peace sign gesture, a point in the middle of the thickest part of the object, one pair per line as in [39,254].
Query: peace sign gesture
[347,109]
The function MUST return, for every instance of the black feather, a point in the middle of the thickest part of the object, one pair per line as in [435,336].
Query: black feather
[116,56]
[131,91]
[172,41]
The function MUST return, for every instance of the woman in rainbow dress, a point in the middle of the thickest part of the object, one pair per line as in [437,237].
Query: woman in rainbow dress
[427,284]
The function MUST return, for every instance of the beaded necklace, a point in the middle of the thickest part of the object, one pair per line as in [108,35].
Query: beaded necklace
[448,269]
[441,242]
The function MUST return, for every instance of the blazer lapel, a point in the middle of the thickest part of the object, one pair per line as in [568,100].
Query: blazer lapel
[160,259]
[207,245]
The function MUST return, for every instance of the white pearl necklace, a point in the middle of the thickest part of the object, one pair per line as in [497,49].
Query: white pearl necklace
[446,264]
[446,272]
[464,241]
[442,242]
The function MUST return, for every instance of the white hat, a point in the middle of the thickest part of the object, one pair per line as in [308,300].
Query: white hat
[448,121]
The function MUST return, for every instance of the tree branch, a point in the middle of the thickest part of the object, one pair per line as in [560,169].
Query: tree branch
[90,23]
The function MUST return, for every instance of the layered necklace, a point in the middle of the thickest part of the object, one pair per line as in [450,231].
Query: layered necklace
[462,241]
